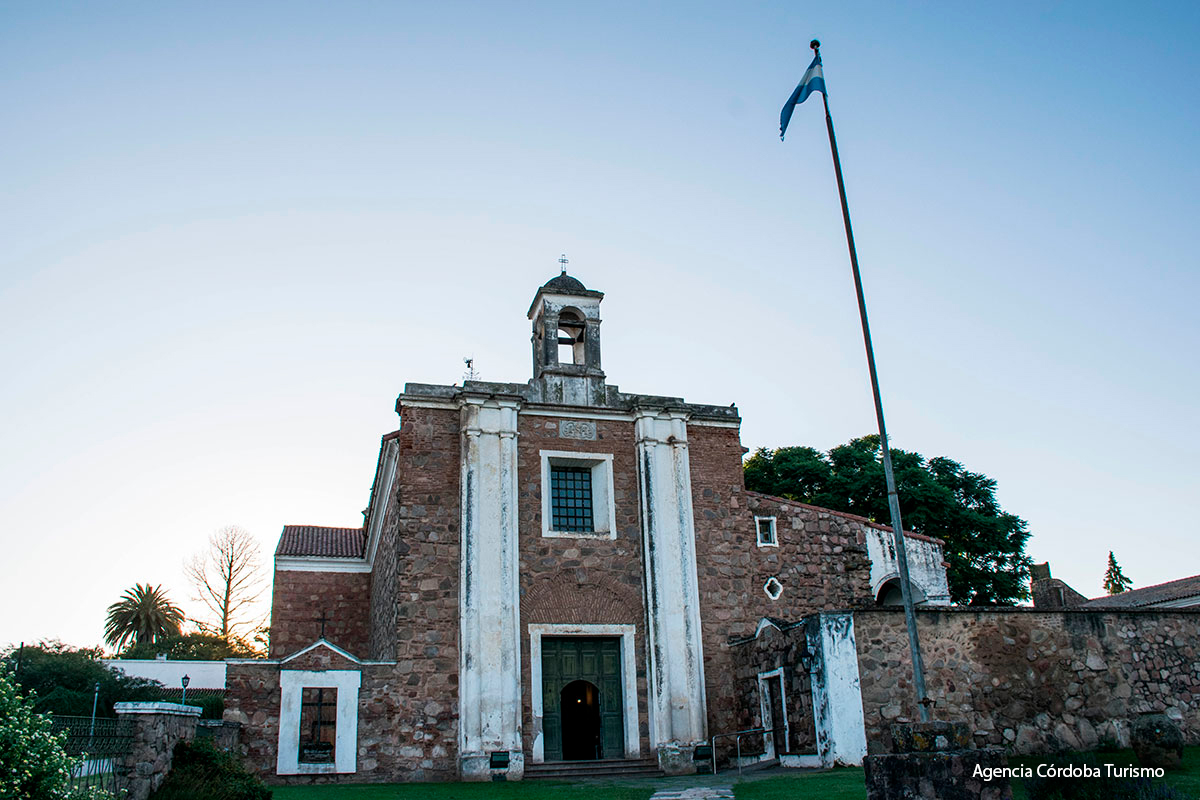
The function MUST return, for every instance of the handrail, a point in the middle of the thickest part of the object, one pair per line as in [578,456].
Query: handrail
[712,740]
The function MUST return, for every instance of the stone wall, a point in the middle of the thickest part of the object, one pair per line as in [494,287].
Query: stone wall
[1034,681]
[821,562]
[580,580]
[252,700]
[414,591]
[772,649]
[298,599]
[414,605]
[157,728]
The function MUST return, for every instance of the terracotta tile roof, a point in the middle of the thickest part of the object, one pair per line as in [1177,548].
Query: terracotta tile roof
[322,542]
[1151,595]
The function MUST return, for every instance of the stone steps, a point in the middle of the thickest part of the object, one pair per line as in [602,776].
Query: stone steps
[604,768]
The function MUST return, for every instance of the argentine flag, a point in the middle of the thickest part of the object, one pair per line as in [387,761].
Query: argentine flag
[813,81]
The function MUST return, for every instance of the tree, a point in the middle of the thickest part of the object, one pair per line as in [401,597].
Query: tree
[228,579]
[143,614]
[1115,581]
[985,546]
[194,646]
[61,679]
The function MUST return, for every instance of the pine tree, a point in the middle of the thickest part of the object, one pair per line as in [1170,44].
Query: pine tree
[1115,581]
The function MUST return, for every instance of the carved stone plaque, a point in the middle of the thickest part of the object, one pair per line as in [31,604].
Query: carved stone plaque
[576,429]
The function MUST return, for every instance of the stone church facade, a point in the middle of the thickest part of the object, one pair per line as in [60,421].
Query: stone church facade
[553,571]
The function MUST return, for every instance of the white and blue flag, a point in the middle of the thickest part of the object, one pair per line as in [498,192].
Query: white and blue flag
[813,81]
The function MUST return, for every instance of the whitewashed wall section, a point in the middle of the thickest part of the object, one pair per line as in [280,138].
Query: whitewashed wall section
[925,565]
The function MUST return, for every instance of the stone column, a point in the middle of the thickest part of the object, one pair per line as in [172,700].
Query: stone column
[489,683]
[157,727]
[678,716]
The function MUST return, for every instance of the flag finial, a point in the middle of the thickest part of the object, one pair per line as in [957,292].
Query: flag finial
[814,44]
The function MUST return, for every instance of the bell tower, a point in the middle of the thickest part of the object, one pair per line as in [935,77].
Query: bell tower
[566,342]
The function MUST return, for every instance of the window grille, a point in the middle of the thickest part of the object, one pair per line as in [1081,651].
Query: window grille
[318,725]
[571,498]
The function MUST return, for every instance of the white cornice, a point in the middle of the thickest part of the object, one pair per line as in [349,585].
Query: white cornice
[412,401]
[616,416]
[320,564]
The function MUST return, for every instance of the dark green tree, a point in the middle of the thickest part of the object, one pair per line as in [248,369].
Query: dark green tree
[144,614]
[985,545]
[62,680]
[1115,581]
[191,647]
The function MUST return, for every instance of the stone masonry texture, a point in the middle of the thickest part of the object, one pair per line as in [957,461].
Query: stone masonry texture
[821,561]
[583,580]
[298,600]
[1034,681]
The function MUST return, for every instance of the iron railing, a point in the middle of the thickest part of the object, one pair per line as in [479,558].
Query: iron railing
[100,745]
[712,743]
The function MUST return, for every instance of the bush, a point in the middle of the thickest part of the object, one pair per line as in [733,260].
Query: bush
[62,680]
[1100,787]
[199,771]
[33,763]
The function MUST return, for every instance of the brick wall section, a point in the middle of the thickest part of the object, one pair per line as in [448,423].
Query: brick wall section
[821,561]
[580,580]
[1034,681]
[299,598]
[770,650]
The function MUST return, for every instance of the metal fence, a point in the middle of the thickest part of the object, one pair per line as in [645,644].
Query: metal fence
[101,746]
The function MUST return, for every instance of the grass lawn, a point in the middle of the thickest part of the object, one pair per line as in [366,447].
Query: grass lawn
[837,784]
[844,783]
[522,790]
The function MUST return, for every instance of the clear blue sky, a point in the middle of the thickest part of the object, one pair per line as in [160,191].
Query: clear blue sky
[230,232]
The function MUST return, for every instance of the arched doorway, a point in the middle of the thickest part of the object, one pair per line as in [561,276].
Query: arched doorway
[581,730]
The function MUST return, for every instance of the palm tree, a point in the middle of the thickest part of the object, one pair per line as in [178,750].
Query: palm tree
[143,614]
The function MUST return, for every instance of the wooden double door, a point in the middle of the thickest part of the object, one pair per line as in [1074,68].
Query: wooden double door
[582,706]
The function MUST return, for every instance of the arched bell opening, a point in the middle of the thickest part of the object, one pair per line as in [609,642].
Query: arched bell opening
[582,737]
[571,330]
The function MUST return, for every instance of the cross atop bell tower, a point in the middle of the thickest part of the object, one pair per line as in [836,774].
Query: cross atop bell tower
[566,341]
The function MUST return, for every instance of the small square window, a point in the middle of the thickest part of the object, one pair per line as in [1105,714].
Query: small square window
[765,528]
[577,492]
[571,499]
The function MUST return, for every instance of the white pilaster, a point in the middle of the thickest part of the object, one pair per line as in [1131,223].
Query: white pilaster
[489,606]
[836,692]
[678,717]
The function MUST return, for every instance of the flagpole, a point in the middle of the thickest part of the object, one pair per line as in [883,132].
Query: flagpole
[910,617]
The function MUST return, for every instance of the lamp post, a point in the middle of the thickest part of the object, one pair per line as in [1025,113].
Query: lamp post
[183,699]
[95,701]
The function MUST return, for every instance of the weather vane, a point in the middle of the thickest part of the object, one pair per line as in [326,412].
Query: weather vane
[470,374]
